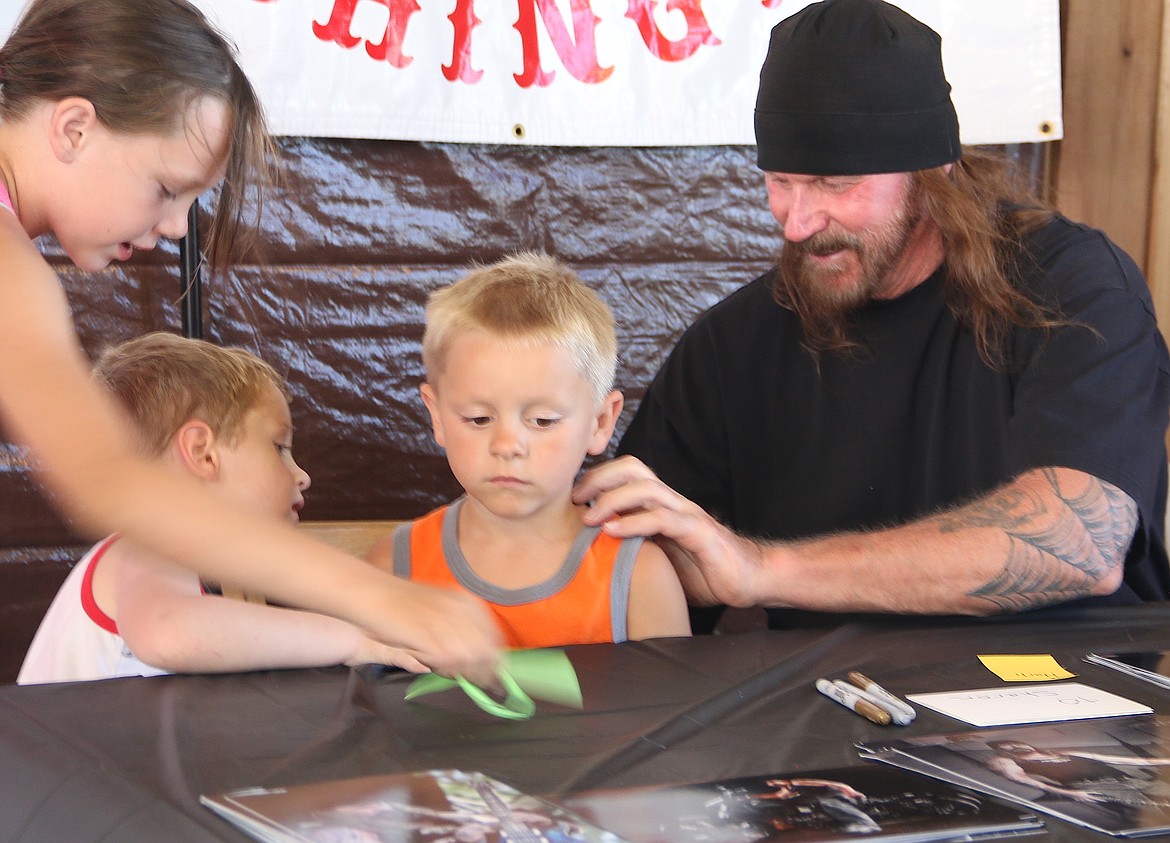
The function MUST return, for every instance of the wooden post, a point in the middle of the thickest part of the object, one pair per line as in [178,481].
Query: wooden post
[1158,259]
[1109,170]
[1106,160]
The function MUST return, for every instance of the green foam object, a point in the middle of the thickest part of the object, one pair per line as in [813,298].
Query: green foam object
[525,675]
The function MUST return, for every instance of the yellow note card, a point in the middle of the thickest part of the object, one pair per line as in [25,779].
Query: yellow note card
[1025,668]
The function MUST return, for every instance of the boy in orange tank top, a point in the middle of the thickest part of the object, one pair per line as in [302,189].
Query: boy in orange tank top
[520,359]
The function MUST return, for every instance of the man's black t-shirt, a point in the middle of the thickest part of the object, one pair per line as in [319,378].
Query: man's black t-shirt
[741,420]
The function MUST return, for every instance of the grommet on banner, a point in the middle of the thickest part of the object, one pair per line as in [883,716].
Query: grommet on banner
[519,132]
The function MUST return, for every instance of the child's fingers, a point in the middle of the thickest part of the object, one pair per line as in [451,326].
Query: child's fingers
[404,659]
[450,632]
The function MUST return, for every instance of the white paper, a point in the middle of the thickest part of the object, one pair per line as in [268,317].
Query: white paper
[1003,706]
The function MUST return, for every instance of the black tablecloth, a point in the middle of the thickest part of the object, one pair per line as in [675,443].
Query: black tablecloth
[126,760]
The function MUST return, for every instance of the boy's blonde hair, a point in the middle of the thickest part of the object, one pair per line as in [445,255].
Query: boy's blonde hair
[164,380]
[528,299]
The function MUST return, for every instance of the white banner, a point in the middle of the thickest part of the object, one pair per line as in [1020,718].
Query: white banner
[594,72]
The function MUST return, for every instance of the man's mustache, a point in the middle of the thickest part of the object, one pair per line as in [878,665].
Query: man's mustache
[825,243]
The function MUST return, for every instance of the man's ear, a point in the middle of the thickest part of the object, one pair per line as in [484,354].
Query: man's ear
[71,123]
[196,448]
[431,399]
[605,421]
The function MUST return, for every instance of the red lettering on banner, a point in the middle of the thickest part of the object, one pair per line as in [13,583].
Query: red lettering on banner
[771,4]
[578,54]
[337,29]
[698,30]
[389,49]
[463,20]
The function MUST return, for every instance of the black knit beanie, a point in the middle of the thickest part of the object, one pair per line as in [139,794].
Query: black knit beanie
[854,87]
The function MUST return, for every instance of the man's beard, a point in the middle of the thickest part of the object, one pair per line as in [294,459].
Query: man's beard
[824,296]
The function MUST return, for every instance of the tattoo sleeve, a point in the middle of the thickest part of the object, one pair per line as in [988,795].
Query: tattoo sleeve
[1064,536]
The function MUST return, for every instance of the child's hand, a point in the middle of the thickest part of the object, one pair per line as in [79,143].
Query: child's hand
[375,652]
[450,632]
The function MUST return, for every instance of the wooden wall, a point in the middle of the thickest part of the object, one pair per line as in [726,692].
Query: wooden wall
[1110,169]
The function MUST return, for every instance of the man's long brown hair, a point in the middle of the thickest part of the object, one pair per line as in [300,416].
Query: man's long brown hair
[983,210]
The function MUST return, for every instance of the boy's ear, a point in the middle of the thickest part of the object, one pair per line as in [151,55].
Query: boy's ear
[71,122]
[606,420]
[432,401]
[195,446]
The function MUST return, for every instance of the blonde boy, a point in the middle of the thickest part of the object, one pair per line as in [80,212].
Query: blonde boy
[222,416]
[520,359]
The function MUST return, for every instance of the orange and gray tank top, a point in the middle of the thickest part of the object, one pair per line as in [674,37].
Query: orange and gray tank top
[585,602]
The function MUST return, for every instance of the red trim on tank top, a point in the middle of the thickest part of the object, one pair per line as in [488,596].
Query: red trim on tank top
[88,603]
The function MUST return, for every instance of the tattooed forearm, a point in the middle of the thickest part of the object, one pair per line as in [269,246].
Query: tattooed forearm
[1029,580]
[1064,534]
[1107,513]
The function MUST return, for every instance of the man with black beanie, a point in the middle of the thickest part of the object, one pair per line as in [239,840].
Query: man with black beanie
[943,399]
